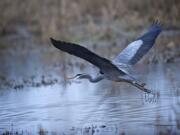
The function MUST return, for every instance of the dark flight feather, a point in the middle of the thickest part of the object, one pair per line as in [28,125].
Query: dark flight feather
[85,54]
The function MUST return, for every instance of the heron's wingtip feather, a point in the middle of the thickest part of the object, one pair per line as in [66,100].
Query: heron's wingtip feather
[53,41]
[56,43]
[157,22]
[156,26]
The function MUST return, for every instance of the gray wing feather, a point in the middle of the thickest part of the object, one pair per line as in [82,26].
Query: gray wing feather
[137,49]
[128,53]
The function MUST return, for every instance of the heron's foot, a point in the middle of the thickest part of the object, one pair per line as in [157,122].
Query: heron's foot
[148,90]
[141,87]
[143,84]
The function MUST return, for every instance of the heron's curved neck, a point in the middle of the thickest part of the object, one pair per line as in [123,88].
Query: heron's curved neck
[91,79]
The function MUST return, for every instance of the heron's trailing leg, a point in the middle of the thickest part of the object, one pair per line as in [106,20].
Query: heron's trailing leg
[90,78]
[140,86]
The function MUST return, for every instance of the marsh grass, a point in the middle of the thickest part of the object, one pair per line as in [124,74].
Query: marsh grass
[89,131]
[47,18]
[113,22]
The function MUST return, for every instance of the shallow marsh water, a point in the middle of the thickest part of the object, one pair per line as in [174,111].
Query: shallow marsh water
[35,95]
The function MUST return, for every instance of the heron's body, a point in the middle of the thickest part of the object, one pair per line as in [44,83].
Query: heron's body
[118,68]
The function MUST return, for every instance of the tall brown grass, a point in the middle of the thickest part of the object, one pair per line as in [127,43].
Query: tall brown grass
[56,17]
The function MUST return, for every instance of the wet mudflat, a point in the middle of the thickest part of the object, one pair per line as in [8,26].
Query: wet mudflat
[36,97]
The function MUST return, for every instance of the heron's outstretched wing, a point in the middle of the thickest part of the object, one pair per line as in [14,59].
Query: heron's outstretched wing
[82,52]
[137,49]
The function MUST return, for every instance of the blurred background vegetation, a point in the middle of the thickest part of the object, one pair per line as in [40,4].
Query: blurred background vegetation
[95,20]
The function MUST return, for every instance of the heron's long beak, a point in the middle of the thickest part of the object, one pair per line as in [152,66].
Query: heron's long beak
[68,78]
[73,77]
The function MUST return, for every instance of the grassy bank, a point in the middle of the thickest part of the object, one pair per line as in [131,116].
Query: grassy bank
[57,17]
[115,23]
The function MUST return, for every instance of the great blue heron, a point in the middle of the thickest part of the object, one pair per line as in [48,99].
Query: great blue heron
[117,69]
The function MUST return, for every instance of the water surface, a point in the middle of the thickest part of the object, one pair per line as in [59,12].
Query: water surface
[34,94]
